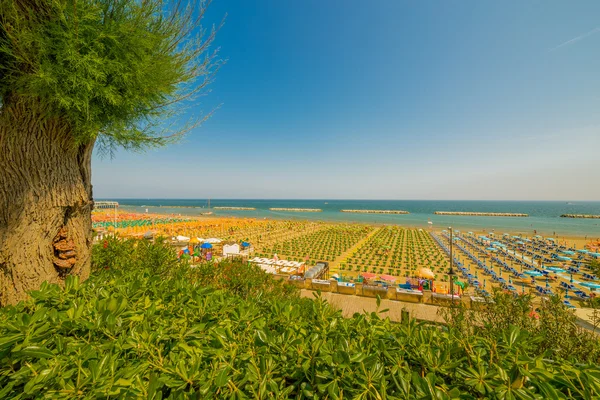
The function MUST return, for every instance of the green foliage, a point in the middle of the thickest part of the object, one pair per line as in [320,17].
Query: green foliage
[177,332]
[114,67]
[595,267]
[132,254]
[552,325]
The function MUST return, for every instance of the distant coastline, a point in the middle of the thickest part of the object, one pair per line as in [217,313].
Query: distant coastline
[544,216]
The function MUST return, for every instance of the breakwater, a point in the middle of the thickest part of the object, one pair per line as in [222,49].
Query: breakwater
[297,209]
[235,208]
[376,211]
[588,216]
[480,214]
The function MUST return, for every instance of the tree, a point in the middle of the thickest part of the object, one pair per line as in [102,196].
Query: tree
[75,74]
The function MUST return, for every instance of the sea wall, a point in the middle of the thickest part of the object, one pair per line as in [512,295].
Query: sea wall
[480,214]
[234,208]
[297,209]
[590,216]
[376,211]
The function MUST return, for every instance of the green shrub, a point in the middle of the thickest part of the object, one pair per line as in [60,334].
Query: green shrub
[555,328]
[230,331]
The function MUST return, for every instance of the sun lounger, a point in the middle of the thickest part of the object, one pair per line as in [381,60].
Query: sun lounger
[568,304]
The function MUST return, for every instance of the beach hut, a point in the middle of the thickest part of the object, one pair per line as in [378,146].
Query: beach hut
[231,248]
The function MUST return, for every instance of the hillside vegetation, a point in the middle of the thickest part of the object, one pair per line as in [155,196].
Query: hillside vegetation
[146,326]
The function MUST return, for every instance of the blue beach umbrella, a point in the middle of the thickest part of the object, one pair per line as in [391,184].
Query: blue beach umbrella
[245,244]
[206,246]
[532,273]
[590,285]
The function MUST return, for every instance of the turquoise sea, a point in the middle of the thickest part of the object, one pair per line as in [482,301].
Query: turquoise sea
[544,216]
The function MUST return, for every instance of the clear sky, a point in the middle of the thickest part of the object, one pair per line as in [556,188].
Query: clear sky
[388,99]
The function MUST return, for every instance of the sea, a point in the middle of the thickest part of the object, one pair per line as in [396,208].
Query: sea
[544,216]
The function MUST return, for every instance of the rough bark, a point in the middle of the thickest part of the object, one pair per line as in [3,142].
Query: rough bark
[45,202]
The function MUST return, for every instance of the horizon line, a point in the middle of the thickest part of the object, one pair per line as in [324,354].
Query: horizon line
[333,199]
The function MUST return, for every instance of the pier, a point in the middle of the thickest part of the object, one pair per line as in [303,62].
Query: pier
[480,214]
[588,216]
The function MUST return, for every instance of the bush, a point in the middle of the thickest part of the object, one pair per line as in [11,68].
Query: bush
[554,327]
[230,331]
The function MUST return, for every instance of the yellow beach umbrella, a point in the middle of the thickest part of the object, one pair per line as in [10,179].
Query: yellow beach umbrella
[425,273]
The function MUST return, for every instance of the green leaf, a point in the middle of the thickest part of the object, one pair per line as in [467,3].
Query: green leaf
[36,352]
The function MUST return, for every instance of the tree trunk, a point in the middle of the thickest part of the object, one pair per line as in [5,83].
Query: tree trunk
[45,202]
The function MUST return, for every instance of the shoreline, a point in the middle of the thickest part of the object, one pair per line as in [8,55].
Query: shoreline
[580,238]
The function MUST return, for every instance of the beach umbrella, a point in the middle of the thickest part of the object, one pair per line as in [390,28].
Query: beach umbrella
[368,275]
[194,240]
[590,285]
[555,269]
[532,273]
[245,244]
[206,246]
[388,278]
[425,273]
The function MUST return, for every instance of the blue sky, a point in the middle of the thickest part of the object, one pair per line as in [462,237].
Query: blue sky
[388,99]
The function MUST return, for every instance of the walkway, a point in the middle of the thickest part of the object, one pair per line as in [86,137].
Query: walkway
[349,305]
[333,266]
